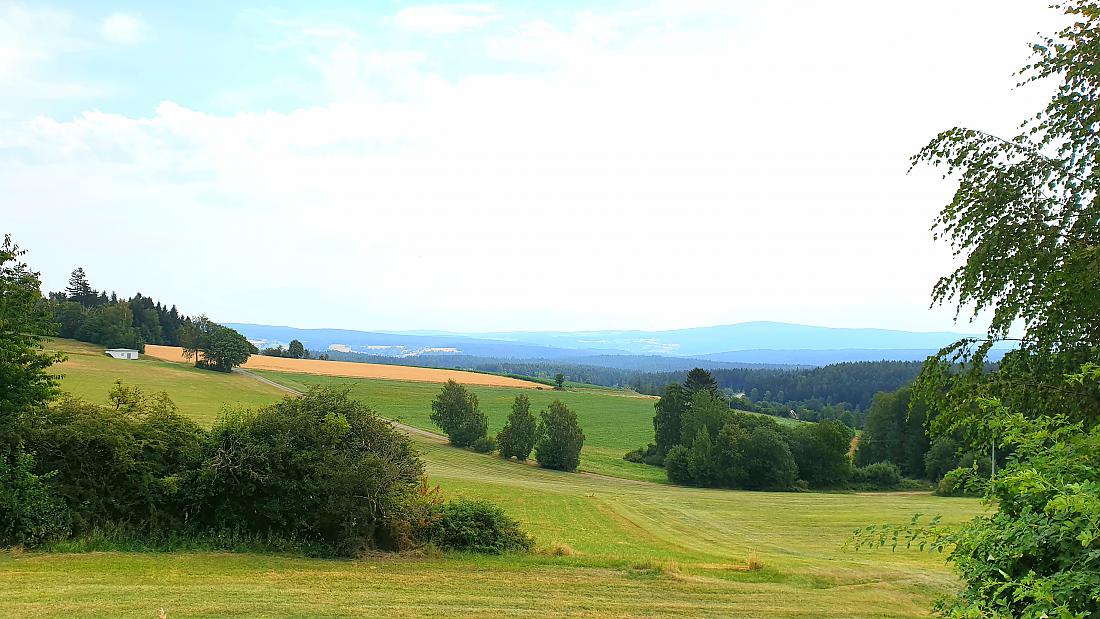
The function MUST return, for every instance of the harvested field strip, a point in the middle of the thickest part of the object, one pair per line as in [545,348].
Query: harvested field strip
[350,369]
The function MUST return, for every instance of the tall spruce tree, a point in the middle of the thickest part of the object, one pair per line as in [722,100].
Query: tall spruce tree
[79,290]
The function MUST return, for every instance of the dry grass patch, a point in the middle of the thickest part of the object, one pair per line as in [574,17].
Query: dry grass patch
[351,369]
[560,550]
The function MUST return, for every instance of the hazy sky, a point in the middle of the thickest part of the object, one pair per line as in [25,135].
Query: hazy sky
[501,166]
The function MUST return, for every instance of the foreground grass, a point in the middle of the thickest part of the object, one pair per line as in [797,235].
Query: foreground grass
[200,394]
[637,548]
[640,550]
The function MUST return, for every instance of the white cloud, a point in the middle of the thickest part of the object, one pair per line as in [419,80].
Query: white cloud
[445,18]
[758,168]
[123,29]
[32,41]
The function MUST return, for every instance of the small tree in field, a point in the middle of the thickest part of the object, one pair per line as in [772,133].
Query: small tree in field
[213,346]
[560,439]
[297,350]
[519,434]
[559,381]
[455,410]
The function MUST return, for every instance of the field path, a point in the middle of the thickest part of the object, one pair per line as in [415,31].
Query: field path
[352,369]
[432,436]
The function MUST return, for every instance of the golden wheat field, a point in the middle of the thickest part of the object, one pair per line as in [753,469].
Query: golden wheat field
[352,369]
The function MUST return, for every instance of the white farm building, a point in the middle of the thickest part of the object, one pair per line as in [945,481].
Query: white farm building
[123,353]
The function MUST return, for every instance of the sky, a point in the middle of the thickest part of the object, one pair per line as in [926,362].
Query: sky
[502,166]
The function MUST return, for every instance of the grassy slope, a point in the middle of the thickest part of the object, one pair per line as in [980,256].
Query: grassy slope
[200,394]
[617,526]
[614,421]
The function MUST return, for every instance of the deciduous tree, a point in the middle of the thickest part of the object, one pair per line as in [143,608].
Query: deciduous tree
[560,438]
[455,410]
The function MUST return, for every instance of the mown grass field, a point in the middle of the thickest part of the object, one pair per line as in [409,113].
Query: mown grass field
[641,549]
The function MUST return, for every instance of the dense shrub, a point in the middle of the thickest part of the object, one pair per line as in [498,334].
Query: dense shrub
[322,468]
[476,526]
[962,482]
[520,432]
[645,455]
[484,445]
[560,438]
[676,465]
[120,463]
[877,476]
[894,431]
[455,410]
[821,452]
[29,512]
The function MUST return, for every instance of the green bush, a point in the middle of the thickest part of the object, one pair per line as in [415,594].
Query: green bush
[877,476]
[475,526]
[962,482]
[30,514]
[118,464]
[560,438]
[645,455]
[676,465]
[322,469]
[484,445]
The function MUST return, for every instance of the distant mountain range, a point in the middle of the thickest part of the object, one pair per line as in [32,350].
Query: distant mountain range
[743,343]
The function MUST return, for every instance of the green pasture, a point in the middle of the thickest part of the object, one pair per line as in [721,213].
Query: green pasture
[200,394]
[628,547]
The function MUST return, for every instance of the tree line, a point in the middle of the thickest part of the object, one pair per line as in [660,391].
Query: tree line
[82,313]
[85,314]
[851,383]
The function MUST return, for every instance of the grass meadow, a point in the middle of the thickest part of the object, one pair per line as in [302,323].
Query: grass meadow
[625,547]
[200,394]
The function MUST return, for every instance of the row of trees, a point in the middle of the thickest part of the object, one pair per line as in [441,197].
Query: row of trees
[84,314]
[295,350]
[555,438]
[852,384]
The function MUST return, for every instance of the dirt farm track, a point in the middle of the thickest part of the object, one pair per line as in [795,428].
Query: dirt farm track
[356,370]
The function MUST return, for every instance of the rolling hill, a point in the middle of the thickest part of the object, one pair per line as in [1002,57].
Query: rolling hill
[737,344]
